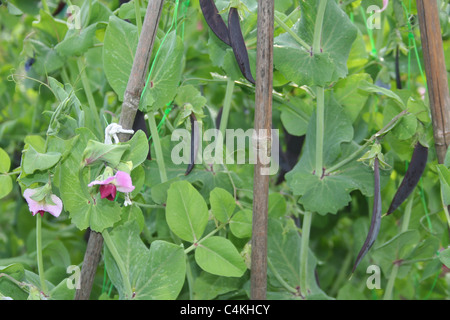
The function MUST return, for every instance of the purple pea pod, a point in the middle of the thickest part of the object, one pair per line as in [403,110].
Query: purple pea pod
[412,177]
[376,217]
[215,21]
[238,44]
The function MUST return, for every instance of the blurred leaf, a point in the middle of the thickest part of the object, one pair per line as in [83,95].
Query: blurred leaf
[186,211]
[219,256]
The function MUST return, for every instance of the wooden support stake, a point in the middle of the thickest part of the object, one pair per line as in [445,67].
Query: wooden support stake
[263,127]
[433,53]
[130,105]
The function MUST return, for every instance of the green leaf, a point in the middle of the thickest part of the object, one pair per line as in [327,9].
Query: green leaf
[97,151]
[9,288]
[222,204]
[77,42]
[326,195]
[166,74]
[241,223]
[444,256]
[219,256]
[208,286]
[85,210]
[6,185]
[373,88]
[34,160]
[119,48]
[399,247]
[444,178]
[295,116]
[222,56]
[5,162]
[159,191]
[190,94]
[133,213]
[406,127]
[297,63]
[186,211]
[155,274]
[138,149]
[349,96]
[329,193]
[283,252]
[277,205]
[48,60]
[49,29]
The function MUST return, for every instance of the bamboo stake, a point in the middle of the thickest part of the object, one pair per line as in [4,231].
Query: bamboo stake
[433,53]
[130,105]
[263,120]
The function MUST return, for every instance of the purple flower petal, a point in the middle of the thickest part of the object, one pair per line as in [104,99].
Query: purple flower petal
[104,182]
[385,4]
[54,210]
[108,191]
[41,206]
[123,182]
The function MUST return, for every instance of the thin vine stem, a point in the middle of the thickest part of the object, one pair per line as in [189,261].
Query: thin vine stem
[137,11]
[306,228]
[226,107]
[320,128]
[405,224]
[89,96]
[280,279]
[286,28]
[112,248]
[40,261]
[158,148]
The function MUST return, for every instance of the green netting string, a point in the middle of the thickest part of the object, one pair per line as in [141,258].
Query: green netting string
[370,33]
[412,43]
[174,23]
[174,19]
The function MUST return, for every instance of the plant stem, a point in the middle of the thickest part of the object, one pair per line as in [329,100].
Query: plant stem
[306,228]
[319,26]
[157,144]
[40,261]
[112,248]
[320,124]
[148,206]
[396,266]
[89,96]
[137,10]
[320,128]
[368,142]
[193,246]
[391,281]
[226,107]
[190,279]
[280,279]
[292,33]
[45,6]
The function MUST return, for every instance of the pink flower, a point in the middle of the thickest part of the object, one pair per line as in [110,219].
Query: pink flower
[108,187]
[385,4]
[52,205]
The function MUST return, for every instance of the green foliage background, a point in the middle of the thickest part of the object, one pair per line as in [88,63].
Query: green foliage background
[53,115]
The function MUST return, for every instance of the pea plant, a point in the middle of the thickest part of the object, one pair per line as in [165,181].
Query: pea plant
[358,200]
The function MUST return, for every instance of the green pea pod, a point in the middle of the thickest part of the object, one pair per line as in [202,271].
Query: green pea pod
[238,44]
[215,21]
[412,177]
[376,217]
